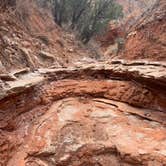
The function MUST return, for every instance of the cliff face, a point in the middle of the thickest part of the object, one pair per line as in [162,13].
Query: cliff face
[133,9]
[147,37]
[30,38]
[79,113]
[142,31]
[92,114]
[135,6]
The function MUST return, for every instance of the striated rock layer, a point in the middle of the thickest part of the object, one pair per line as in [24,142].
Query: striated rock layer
[142,36]
[81,114]
[98,114]
[30,38]
[148,37]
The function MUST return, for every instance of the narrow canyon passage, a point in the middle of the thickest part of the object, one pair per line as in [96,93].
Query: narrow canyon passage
[98,114]
[82,83]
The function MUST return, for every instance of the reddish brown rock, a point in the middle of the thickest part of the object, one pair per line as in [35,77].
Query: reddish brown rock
[77,116]
[95,114]
[77,131]
[30,38]
[149,37]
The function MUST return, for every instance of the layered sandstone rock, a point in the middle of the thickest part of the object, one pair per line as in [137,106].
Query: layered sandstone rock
[97,114]
[143,34]
[30,38]
[81,131]
[74,113]
[147,37]
[134,9]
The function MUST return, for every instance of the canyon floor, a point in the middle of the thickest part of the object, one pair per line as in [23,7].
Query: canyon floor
[66,104]
[105,113]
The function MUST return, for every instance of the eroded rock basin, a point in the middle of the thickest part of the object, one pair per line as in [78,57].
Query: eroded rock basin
[84,131]
[85,117]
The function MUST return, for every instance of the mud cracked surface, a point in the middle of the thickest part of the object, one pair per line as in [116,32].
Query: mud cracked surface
[95,114]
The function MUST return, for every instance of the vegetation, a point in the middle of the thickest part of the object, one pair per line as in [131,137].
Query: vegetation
[86,17]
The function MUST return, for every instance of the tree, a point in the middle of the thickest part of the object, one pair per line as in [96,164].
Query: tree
[77,7]
[101,13]
[59,10]
[87,17]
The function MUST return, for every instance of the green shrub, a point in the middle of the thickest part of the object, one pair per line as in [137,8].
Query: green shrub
[87,17]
